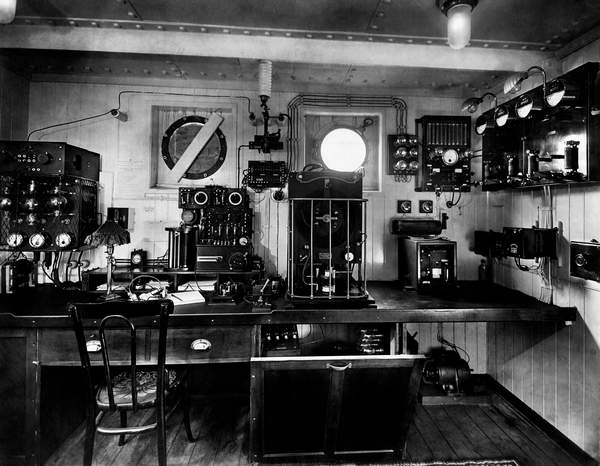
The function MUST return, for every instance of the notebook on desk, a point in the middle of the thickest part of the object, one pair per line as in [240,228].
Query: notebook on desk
[186,297]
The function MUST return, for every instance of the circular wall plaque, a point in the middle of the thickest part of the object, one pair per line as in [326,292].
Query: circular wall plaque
[178,137]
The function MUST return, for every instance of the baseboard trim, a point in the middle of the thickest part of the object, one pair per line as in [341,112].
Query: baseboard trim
[556,435]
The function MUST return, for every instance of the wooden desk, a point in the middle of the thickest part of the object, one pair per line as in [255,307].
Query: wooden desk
[35,333]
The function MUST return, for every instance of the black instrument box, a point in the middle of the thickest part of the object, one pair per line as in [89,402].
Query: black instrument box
[34,158]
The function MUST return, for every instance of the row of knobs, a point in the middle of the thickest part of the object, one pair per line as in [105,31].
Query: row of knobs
[40,240]
[405,153]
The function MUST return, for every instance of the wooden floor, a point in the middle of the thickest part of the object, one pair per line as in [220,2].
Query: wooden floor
[455,432]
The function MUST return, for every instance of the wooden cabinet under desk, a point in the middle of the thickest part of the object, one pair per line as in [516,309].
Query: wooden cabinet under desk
[36,342]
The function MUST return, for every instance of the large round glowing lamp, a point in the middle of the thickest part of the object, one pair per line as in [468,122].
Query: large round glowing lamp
[459,21]
[7,11]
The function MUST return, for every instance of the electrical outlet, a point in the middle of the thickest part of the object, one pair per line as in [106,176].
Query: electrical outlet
[404,206]
[425,206]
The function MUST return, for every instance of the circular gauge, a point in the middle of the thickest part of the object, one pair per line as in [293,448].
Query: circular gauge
[349,257]
[188,216]
[400,140]
[31,219]
[15,240]
[235,198]
[37,240]
[450,157]
[178,138]
[201,198]
[243,241]
[413,152]
[237,261]
[136,258]
[63,240]
[413,165]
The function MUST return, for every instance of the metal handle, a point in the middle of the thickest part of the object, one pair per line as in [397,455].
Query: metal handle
[93,346]
[338,368]
[201,344]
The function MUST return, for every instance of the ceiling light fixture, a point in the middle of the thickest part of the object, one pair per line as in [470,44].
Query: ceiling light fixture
[459,21]
[7,11]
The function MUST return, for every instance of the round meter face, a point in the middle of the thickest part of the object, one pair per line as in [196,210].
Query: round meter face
[136,259]
[63,240]
[450,157]
[37,240]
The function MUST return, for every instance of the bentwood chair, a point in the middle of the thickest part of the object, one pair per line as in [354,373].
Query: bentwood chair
[127,388]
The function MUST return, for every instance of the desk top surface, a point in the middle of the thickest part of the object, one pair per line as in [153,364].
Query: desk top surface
[468,302]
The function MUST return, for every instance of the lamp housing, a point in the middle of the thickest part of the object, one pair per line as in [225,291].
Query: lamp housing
[555,92]
[7,11]
[523,106]
[481,124]
[501,115]
[459,21]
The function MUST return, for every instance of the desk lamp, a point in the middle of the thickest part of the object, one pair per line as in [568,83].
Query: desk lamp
[109,234]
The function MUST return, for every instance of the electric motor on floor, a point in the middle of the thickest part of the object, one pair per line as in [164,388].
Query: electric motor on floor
[327,241]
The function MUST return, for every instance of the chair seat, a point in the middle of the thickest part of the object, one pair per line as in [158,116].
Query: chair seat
[145,387]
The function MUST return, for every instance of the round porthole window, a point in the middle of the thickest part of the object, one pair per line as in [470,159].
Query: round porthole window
[179,136]
[343,150]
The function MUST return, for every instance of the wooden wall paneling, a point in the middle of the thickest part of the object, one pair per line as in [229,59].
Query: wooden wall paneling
[538,370]
[529,383]
[577,363]
[491,352]
[482,360]
[549,372]
[591,394]
[470,341]
[518,375]
[562,376]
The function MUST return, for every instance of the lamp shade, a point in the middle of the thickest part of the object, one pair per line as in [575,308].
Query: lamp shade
[7,11]
[110,233]
[459,25]
[523,106]
[512,84]
[480,124]
[471,104]
[501,115]
[555,92]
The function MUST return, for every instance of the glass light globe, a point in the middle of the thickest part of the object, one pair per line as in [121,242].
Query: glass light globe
[343,149]
[459,26]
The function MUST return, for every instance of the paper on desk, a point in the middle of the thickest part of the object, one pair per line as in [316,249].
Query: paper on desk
[186,297]
[195,285]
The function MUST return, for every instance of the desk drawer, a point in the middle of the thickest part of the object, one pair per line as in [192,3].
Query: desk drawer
[213,344]
[60,347]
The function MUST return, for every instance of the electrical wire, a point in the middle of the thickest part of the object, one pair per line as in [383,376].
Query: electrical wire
[99,115]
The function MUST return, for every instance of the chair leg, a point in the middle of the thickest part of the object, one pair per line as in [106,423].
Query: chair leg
[186,412]
[90,430]
[161,432]
[123,424]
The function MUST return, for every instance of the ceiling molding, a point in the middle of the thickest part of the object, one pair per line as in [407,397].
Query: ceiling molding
[284,49]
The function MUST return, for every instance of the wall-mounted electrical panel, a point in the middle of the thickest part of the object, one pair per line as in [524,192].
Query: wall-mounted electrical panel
[445,157]
[552,144]
[585,260]
[403,154]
